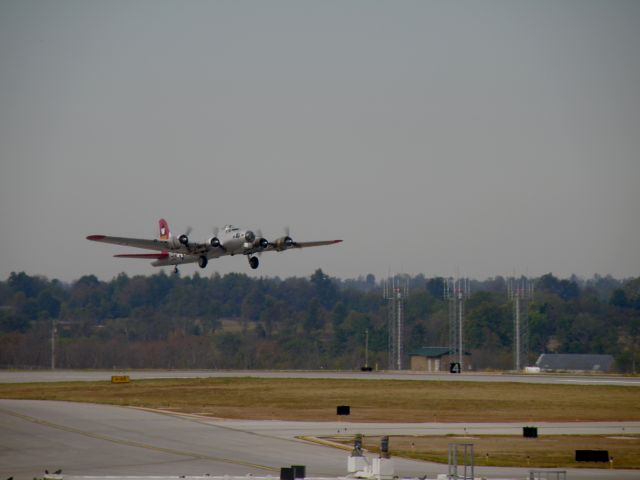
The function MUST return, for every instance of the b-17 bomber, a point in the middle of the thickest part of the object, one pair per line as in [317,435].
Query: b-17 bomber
[177,250]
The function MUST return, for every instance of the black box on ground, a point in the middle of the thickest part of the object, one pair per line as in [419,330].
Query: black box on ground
[343,410]
[286,473]
[299,471]
[592,455]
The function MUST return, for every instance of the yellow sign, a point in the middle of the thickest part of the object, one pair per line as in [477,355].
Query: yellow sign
[120,379]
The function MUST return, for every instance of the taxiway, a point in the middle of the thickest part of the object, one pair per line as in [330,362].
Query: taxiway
[9,376]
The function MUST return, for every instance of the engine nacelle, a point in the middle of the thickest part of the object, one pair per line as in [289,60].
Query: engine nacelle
[214,242]
[283,243]
[261,243]
[183,239]
[249,236]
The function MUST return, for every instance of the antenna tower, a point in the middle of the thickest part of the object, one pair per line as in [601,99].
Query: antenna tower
[520,291]
[396,291]
[456,291]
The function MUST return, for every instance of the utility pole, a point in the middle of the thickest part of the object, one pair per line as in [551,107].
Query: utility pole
[53,344]
[366,348]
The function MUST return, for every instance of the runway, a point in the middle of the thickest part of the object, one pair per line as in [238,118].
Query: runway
[87,439]
[7,376]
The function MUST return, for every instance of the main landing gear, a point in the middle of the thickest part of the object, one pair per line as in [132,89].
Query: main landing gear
[202,261]
[254,262]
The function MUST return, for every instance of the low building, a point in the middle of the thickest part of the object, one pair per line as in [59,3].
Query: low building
[574,362]
[429,359]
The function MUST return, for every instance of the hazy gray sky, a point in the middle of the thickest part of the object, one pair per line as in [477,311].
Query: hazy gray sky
[435,137]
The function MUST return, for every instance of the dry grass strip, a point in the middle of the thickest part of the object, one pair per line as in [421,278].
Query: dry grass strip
[370,400]
[557,451]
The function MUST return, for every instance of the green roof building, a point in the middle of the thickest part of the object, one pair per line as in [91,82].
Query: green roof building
[428,359]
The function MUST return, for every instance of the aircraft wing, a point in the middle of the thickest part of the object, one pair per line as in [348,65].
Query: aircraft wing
[315,244]
[159,245]
[274,248]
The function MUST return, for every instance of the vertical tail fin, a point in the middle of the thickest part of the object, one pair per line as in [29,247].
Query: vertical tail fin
[164,229]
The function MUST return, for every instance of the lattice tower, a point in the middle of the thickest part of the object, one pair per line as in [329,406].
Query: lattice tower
[520,292]
[396,291]
[456,291]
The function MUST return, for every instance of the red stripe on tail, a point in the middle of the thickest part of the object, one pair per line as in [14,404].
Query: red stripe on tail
[164,229]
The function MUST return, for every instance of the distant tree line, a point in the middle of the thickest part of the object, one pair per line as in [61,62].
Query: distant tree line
[234,321]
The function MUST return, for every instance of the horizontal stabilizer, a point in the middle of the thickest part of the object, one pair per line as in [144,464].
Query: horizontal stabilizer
[148,256]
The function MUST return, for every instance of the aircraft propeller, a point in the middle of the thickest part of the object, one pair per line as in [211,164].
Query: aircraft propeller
[184,238]
[260,241]
[285,242]
[215,242]
[288,240]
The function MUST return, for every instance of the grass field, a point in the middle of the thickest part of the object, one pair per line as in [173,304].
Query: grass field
[556,451]
[370,400]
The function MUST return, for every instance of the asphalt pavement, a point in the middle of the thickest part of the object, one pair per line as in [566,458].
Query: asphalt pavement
[101,440]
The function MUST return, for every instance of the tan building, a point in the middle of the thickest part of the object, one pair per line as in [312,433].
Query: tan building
[429,359]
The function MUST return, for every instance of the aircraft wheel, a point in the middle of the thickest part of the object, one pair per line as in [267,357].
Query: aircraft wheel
[254,262]
[202,261]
